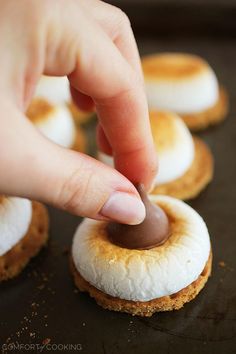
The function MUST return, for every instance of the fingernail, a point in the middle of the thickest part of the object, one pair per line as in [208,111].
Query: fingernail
[124,208]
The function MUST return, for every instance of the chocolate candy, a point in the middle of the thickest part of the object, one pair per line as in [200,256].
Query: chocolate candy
[152,232]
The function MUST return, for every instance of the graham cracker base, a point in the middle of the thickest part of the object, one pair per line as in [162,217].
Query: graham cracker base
[195,179]
[147,308]
[211,116]
[80,117]
[13,262]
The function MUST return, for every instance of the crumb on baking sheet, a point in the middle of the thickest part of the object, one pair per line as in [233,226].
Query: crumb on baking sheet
[46,341]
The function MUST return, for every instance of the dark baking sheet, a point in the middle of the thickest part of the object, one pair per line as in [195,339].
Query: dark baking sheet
[42,304]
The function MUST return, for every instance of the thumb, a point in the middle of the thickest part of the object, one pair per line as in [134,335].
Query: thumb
[35,168]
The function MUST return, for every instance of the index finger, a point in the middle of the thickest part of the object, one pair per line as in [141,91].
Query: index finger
[104,74]
[125,122]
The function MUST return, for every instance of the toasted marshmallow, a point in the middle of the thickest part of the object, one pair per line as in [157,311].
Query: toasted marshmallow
[180,83]
[143,275]
[174,146]
[55,122]
[54,89]
[15,218]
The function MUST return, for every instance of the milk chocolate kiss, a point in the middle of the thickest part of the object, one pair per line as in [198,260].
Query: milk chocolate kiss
[152,232]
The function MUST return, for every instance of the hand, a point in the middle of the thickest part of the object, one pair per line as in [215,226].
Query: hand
[92,43]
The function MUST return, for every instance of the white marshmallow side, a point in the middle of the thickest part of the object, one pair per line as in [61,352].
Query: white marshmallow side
[54,89]
[144,275]
[58,126]
[15,218]
[192,95]
[173,162]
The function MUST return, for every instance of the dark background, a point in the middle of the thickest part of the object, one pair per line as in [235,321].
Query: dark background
[43,304]
[183,17]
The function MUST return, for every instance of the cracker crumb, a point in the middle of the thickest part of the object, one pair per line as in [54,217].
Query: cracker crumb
[41,287]
[46,341]
[222,264]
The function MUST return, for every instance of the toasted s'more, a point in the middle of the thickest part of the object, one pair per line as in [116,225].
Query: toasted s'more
[56,90]
[185,162]
[56,123]
[137,279]
[187,85]
[23,232]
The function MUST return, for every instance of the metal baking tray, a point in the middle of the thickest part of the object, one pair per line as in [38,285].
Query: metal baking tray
[42,310]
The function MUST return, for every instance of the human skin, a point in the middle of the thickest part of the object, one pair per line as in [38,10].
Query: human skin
[92,43]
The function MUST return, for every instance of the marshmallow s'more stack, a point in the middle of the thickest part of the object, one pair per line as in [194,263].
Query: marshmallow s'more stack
[23,232]
[56,90]
[185,84]
[55,122]
[142,282]
[185,162]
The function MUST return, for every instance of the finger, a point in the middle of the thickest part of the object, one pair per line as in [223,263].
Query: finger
[103,74]
[130,138]
[64,178]
[117,25]
[84,102]
[103,143]
[97,69]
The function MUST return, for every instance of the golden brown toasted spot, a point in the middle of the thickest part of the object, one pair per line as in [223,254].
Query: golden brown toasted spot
[173,66]
[39,109]
[163,130]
